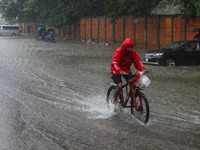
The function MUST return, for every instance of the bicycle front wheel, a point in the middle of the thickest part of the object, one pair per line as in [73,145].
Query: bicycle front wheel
[140,109]
[110,98]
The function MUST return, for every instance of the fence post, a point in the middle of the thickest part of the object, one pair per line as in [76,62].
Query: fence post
[158,32]
[85,29]
[73,31]
[172,30]
[98,30]
[134,29]
[113,35]
[68,33]
[105,29]
[63,33]
[91,27]
[123,28]
[184,30]
[145,33]
[79,28]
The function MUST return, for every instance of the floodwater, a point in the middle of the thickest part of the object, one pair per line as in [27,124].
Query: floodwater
[53,97]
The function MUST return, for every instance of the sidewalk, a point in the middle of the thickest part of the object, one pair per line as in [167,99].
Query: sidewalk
[137,49]
[140,51]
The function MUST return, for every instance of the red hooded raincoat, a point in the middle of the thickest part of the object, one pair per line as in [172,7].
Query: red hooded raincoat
[122,60]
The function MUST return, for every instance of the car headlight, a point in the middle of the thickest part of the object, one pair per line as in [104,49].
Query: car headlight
[158,54]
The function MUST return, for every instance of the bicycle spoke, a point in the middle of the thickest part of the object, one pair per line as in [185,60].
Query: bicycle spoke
[141,112]
[110,99]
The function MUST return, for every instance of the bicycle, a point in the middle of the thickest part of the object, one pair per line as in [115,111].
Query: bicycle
[134,99]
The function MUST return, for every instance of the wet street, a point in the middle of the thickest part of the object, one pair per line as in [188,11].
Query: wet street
[53,97]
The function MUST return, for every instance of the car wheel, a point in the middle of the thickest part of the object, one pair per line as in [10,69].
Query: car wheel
[13,34]
[170,62]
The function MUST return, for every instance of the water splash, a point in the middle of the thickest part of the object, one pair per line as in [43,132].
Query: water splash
[97,107]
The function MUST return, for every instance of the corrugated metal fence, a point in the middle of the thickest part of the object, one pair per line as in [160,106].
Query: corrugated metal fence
[146,32]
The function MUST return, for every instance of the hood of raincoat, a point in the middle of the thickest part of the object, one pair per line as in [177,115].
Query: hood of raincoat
[127,42]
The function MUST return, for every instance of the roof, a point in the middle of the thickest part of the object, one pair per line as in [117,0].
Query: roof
[167,8]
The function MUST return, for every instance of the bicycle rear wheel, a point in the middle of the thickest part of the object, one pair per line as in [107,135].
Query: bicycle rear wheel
[141,112]
[110,98]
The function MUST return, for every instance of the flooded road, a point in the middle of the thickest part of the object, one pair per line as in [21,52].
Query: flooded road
[53,97]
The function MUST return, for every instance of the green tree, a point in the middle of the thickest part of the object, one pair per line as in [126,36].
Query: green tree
[57,13]
[197,6]
[20,10]
[65,12]
[190,8]
[61,13]
[8,9]
[117,8]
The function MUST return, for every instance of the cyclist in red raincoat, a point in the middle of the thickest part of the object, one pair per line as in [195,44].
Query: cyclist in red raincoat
[121,64]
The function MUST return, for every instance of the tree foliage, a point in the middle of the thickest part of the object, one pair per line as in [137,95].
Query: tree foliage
[190,8]
[197,6]
[117,8]
[61,13]
[56,13]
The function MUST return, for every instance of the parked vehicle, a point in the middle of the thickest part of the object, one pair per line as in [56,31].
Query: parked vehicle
[12,30]
[41,33]
[49,35]
[197,36]
[176,53]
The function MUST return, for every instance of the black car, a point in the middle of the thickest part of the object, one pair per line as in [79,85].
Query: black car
[176,53]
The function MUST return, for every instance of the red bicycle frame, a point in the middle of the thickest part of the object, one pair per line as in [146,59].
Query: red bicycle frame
[132,86]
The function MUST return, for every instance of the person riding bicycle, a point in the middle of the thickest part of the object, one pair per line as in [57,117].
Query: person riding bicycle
[122,59]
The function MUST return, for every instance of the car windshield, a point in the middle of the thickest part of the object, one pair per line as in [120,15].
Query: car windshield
[174,45]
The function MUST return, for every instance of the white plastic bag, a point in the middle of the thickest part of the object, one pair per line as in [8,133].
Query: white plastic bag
[144,81]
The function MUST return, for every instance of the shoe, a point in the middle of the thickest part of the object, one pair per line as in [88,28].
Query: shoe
[113,107]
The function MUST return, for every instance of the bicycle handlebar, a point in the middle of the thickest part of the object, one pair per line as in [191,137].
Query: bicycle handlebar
[140,72]
[135,78]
